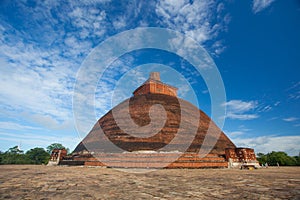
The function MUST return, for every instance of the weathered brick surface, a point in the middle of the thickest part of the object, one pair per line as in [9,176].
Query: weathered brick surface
[155,87]
[139,107]
[139,112]
[240,154]
[151,160]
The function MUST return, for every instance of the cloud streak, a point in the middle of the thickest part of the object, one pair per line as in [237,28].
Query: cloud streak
[238,109]
[290,119]
[16,126]
[294,91]
[260,5]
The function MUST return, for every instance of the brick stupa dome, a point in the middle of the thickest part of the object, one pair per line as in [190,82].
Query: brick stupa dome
[139,108]
[179,114]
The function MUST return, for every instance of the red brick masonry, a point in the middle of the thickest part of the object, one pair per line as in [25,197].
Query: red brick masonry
[148,160]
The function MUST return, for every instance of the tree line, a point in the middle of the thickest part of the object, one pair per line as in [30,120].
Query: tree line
[41,156]
[15,155]
[278,158]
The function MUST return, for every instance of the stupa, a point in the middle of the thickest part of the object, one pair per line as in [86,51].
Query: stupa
[119,140]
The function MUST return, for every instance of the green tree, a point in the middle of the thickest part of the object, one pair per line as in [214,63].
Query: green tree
[14,150]
[281,158]
[14,156]
[1,155]
[55,146]
[297,158]
[276,157]
[261,158]
[38,156]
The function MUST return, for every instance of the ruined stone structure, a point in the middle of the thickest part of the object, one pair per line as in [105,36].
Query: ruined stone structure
[56,156]
[150,152]
[240,156]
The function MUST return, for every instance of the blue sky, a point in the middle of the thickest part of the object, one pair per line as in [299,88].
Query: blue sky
[254,44]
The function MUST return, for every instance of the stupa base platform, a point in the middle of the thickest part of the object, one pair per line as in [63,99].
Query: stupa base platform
[147,160]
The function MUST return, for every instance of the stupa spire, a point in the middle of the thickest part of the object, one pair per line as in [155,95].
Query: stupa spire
[155,76]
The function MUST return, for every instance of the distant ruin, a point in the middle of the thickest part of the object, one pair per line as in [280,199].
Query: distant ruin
[56,156]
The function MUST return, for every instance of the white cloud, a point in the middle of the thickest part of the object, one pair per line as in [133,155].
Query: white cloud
[260,5]
[277,103]
[241,130]
[39,63]
[239,106]
[241,116]
[27,85]
[273,118]
[265,108]
[89,20]
[235,133]
[194,19]
[237,109]
[16,126]
[290,119]
[119,23]
[266,144]
[92,2]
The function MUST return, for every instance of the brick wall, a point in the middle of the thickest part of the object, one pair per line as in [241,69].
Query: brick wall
[240,154]
[152,160]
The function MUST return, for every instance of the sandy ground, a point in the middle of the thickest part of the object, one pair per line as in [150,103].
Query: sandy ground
[42,182]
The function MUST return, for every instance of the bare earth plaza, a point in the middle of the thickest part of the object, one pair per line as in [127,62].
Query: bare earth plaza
[57,182]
